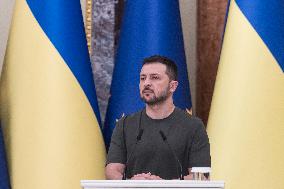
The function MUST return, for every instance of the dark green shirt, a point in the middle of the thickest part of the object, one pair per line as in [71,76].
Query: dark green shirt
[185,134]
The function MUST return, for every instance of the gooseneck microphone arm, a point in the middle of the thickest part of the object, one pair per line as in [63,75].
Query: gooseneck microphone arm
[181,177]
[138,138]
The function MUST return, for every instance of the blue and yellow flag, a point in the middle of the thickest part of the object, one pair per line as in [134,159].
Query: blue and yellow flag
[48,99]
[246,122]
[4,178]
[149,27]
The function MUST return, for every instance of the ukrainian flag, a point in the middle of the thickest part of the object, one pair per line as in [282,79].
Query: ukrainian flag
[246,122]
[4,179]
[48,99]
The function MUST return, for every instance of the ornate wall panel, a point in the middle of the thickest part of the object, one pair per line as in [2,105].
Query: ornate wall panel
[102,48]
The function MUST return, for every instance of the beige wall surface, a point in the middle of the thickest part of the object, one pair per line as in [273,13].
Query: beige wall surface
[6,9]
[188,9]
[83,7]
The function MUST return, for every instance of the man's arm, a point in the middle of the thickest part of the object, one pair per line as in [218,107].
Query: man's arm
[199,151]
[114,171]
[116,156]
[199,147]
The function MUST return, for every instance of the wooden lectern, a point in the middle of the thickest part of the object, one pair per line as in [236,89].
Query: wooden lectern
[163,184]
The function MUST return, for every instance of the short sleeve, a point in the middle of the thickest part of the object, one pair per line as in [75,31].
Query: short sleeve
[117,149]
[200,148]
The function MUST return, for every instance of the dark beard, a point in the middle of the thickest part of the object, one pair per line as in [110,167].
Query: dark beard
[157,100]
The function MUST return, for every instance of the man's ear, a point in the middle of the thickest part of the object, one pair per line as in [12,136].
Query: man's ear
[173,86]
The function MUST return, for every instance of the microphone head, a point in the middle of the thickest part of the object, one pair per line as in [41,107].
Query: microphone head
[163,135]
[139,136]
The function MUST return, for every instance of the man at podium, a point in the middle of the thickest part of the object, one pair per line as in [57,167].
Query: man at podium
[160,141]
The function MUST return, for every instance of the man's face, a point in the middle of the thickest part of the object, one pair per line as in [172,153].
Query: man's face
[155,85]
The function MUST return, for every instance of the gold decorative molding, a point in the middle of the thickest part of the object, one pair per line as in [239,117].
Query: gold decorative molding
[88,23]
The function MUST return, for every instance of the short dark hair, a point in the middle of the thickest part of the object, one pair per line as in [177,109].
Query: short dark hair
[171,67]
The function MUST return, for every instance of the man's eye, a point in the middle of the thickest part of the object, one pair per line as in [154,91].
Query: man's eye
[142,78]
[155,77]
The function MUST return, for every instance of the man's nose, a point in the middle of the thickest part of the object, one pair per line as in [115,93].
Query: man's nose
[147,82]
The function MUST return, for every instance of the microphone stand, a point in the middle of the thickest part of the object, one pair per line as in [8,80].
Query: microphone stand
[138,138]
[181,177]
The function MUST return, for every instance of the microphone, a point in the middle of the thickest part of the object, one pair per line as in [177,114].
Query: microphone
[181,177]
[138,138]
